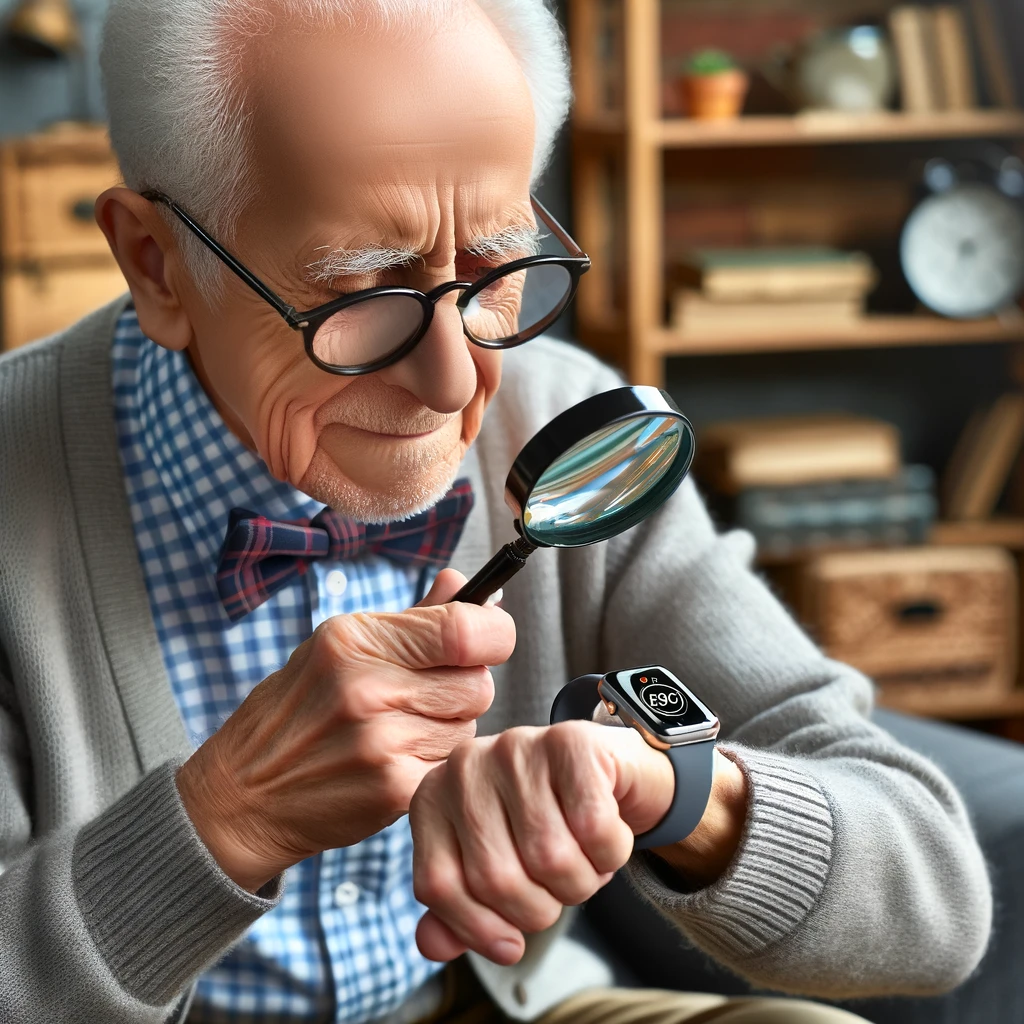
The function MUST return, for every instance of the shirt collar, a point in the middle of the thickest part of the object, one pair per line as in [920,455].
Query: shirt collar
[205,470]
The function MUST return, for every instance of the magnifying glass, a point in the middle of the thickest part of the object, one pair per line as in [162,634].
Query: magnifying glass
[596,470]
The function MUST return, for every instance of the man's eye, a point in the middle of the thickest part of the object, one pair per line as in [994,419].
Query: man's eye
[471,268]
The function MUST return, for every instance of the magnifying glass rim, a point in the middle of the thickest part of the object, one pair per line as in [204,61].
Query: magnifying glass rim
[599,412]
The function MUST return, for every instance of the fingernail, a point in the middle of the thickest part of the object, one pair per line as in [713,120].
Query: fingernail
[496,597]
[506,951]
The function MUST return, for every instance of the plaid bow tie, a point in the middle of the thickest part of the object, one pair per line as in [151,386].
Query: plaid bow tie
[260,555]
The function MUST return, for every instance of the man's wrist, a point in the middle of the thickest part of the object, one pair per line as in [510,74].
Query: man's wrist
[705,855]
[219,818]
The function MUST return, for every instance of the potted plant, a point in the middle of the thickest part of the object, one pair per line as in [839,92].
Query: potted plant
[714,87]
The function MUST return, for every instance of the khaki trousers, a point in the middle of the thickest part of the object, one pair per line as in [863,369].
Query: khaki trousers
[466,1003]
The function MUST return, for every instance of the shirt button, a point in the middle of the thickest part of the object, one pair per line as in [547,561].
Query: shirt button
[336,583]
[346,894]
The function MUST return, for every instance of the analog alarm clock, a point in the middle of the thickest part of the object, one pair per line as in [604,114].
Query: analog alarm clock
[963,247]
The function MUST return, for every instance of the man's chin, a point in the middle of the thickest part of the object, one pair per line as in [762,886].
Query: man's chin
[383,501]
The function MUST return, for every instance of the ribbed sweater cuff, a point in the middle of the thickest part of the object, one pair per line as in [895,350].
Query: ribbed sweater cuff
[156,903]
[777,875]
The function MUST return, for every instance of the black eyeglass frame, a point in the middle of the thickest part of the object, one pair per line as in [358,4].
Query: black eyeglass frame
[577,263]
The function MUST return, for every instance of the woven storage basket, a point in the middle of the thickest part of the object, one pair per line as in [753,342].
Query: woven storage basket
[934,627]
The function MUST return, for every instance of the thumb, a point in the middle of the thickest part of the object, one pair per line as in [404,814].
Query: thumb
[447,584]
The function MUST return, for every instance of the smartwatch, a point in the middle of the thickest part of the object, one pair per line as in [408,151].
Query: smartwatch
[670,718]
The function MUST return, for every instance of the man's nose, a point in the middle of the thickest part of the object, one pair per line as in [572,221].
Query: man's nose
[440,370]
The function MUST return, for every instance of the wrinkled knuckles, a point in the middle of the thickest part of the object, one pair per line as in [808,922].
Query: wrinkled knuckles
[463,765]
[437,884]
[355,699]
[482,692]
[492,883]
[511,748]
[603,836]
[397,785]
[550,860]
[458,633]
[567,737]
[372,745]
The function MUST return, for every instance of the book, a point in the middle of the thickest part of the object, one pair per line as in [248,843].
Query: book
[983,459]
[790,451]
[994,62]
[913,34]
[695,314]
[774,274]
[787,521]
[956,69]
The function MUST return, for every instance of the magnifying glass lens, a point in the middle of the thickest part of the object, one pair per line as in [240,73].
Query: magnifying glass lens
[587,493]
[596,470]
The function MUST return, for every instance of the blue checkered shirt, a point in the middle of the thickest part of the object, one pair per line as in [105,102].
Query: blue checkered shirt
[341,944]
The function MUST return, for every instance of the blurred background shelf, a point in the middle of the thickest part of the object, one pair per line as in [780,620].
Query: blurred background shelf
[874,331]
[973,708]
[650,186]
[813,128]
[1002,531]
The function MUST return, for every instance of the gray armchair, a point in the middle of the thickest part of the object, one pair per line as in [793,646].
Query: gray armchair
[990,775]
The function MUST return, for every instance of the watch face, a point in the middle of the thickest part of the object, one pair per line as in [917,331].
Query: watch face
[963,251]
[656,700]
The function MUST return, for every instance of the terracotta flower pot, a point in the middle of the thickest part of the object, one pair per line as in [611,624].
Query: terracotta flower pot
[715,97]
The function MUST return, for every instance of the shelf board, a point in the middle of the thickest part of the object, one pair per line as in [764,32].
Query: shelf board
[811,128]
[873,331]
[1003,532]
[969,708]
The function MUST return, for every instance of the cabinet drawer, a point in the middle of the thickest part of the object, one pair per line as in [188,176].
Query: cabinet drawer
[36,304]
[931,626]
[49,210]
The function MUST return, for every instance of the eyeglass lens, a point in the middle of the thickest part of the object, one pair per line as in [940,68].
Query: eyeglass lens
[507,307]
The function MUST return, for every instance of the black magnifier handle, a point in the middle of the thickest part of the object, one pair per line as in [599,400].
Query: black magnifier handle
[496,573]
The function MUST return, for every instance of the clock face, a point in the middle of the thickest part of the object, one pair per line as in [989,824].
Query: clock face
[963,251]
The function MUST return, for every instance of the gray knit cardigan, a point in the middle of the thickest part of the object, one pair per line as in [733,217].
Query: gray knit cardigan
[858,872]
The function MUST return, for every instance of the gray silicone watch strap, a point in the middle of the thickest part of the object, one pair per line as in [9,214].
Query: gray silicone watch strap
[692,765]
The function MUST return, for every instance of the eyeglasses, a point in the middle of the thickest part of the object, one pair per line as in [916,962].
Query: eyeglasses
[373,328]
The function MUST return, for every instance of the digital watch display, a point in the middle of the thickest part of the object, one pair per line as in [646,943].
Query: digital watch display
[671,718]
[655,701]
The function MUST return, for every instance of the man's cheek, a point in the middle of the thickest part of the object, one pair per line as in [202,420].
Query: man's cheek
[488,370]
[287,440]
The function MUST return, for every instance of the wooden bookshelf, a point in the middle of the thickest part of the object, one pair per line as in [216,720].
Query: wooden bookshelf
[871,332]
[622,156]
[815,128]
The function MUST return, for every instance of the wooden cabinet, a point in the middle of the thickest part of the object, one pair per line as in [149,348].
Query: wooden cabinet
[54,262]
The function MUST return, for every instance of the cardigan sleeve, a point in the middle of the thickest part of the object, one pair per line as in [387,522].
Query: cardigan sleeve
[858,873]
[113,920]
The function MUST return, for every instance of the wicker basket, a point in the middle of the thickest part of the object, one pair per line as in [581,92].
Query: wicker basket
[934,627]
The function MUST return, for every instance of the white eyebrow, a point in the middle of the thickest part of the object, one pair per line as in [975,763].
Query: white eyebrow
[510,243]
[507,244]
[357,262]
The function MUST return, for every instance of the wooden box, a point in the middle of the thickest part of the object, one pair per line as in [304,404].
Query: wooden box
[936,628]
[55,265]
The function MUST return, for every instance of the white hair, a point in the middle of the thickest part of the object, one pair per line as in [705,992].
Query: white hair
[178,125]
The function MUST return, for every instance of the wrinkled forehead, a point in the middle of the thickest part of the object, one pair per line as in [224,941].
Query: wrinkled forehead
[358,123]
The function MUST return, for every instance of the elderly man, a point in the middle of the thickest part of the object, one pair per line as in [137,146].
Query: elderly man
[207,758]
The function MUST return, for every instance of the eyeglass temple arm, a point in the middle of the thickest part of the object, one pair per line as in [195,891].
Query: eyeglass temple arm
[289,313]
[559,232]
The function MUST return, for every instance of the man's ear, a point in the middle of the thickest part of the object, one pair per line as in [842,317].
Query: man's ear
[144,248]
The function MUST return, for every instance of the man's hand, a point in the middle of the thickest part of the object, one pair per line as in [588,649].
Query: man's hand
[514,827]
[331,749]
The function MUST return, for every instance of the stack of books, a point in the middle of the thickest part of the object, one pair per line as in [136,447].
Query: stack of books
[771,289]
[806,484]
